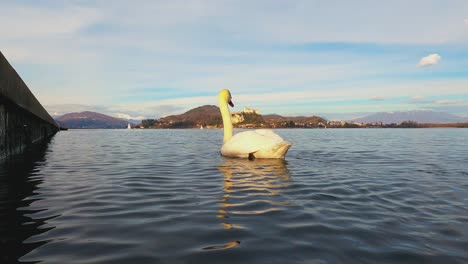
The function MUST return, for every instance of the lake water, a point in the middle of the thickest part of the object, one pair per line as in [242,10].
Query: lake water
[167,196]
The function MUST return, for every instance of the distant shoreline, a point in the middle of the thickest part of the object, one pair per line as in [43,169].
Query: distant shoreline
[350,125]
[292,128]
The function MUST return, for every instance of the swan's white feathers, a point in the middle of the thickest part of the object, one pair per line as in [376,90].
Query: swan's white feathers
[268,133]
[261,141]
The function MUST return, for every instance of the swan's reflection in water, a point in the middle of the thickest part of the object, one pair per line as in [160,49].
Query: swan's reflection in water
[251,189]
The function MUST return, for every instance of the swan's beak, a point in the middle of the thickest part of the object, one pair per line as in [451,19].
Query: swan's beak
[230,103]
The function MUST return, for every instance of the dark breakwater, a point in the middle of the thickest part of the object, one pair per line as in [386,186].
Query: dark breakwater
[23,120]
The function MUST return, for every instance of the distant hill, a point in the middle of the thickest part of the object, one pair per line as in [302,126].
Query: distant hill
[209,115]
[420,116]
[90,120]
[202,115]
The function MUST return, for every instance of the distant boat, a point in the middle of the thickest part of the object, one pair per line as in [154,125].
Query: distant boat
[129,126]
[201,127]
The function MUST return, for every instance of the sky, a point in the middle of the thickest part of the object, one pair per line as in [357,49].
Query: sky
[148,59]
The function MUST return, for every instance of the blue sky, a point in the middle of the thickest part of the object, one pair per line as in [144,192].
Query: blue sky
[339,59]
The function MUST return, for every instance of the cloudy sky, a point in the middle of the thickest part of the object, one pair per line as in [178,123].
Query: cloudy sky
[154,58]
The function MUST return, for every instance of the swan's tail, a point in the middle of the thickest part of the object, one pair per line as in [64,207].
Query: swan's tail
[278,151]
[283,148]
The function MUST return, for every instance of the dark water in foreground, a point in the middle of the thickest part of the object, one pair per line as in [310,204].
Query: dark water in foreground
[166,196]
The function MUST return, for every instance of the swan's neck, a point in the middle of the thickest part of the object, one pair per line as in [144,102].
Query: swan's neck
[227,123]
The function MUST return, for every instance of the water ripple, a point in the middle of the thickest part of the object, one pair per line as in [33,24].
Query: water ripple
[166,196]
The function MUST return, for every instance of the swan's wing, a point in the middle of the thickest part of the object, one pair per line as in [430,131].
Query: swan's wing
[269,133]
[249,142]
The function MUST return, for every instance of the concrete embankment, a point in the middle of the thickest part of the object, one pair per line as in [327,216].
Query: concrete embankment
[23,120]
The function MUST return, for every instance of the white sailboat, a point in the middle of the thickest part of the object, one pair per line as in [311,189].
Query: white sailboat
[129,126]
[201,127]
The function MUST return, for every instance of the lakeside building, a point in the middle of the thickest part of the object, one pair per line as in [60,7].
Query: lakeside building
[251,111]
[237,118]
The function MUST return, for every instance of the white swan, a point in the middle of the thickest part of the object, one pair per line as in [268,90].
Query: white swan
[260,143]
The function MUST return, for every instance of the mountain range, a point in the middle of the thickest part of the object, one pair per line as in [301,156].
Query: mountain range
[209,115]
[420,116]
[90,120]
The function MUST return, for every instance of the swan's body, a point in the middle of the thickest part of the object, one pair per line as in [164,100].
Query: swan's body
[261,143]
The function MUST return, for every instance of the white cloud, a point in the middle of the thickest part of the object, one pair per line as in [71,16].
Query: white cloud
[284,102]
[377,98]
[429,60]
[450,102]
[270,75]
[465,21]
[270,102]
[454,106]
[127,116]
[26,22]
[95,53]
[61,109]
[126,111]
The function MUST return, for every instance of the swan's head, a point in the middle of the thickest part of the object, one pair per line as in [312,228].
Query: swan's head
[225,95]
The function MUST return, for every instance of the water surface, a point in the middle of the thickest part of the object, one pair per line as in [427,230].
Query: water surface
[167,196]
